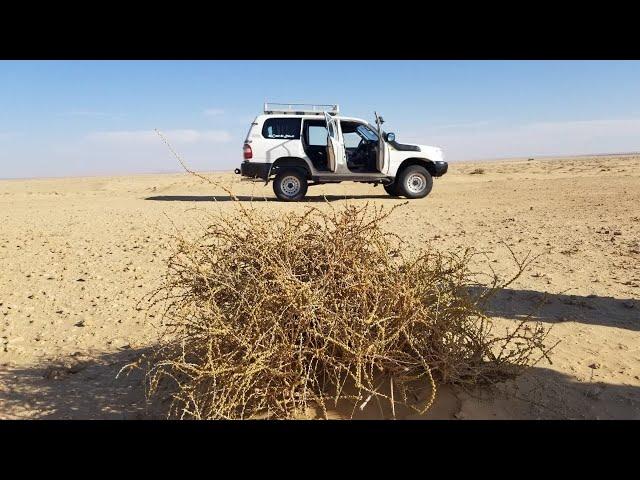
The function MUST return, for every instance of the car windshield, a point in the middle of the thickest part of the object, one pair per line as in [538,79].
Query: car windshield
[368,132]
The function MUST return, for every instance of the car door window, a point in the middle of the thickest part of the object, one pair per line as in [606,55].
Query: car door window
[317,136]
[351,139]
[331,131]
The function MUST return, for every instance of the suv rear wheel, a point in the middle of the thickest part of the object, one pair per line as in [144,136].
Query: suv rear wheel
[414,182]
[290,185]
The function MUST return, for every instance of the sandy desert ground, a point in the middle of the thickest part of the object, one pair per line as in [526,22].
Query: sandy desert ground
[78,254]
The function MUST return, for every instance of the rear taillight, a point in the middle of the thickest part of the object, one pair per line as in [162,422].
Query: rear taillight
[247,152]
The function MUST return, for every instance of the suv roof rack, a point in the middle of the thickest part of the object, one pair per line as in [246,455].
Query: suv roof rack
[301,108]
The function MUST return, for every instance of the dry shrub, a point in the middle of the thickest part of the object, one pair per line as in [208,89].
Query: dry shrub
[269,315]
[477,171]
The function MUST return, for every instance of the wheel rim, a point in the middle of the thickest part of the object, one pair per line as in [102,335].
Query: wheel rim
[290,186]
[416,183]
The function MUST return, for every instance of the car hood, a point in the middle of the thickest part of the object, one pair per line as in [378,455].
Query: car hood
[432,153]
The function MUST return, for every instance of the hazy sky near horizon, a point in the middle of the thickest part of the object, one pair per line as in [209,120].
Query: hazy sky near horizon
[97,117]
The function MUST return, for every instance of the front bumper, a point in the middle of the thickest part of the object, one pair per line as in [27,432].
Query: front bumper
[255,170]
[441,168]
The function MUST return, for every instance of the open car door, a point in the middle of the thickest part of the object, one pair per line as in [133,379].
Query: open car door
[382,160]
[332,142]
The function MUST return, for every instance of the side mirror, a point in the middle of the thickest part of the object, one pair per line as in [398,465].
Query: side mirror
[390,137]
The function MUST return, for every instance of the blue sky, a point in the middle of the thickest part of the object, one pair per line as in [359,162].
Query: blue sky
[97,117]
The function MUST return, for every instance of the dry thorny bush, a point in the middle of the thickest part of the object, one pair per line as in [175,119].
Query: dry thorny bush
[271,315]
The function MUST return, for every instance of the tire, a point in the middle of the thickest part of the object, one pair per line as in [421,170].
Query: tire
[414,182]
[290,185]
[392,189]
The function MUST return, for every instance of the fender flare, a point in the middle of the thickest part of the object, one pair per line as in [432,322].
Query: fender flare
[290,162]
[422,161]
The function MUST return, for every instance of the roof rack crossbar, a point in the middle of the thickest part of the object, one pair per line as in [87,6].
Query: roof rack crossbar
[301,108]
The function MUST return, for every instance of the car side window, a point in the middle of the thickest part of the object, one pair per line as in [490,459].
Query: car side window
[351,139]
[317,135]
[282,128]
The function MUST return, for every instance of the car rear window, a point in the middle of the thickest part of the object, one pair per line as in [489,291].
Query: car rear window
[282,128]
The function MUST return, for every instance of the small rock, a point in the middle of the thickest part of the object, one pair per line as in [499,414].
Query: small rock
[79,324]
[617,232]
[595,365]
[77,367]
[594,393]
[80,280]
[119,343]
[54,373]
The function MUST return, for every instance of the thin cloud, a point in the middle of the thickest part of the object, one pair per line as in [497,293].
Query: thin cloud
[212,112]
[466,125]
[90,113]
[9,135]
[149,136]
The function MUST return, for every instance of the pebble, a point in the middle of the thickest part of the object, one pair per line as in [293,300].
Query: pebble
[595,365]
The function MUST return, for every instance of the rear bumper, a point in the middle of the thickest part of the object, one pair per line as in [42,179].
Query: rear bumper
[441,168]
[255,170]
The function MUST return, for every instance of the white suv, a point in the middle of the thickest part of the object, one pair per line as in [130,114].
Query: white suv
[300,145]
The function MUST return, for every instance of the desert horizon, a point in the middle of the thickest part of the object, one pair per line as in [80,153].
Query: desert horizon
[178,170]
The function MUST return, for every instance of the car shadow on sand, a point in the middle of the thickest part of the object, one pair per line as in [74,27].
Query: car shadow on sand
[89,387]
[249,198]
[556,308]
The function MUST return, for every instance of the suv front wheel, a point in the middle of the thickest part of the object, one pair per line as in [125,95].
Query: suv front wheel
[290,185]
[414,182]
[392,189]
